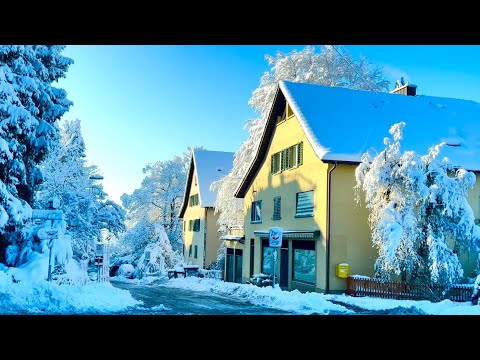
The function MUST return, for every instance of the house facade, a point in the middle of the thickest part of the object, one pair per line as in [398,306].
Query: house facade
[201,238]
[303,177]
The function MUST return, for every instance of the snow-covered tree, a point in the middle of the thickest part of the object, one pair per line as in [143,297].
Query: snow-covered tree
[158,254]
[29,108]
[332,66]
[419,215]
[160,196]
[83,200]
[147,237]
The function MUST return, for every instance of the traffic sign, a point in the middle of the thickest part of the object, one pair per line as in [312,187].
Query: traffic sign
[275,236]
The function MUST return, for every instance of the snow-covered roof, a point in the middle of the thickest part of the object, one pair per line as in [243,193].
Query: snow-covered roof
[342,124]
[209,166]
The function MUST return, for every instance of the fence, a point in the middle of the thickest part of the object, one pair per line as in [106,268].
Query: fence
[365,286]
[212,274]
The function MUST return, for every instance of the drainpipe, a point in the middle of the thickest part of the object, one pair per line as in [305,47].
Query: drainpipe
[205,239]
[327,237]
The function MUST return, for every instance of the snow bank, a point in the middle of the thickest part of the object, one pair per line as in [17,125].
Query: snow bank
[275,298]
[43,297]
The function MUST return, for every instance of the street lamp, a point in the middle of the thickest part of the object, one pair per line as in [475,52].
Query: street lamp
[95,177]
[102,260]
[49,234]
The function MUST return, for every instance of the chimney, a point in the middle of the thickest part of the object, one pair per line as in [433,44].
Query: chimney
[404,88]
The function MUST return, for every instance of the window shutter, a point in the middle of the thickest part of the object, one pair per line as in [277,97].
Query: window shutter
[276,207]
[288,163]
[283,157]
[305,203]
[300,154]
[272,170]
[295,155]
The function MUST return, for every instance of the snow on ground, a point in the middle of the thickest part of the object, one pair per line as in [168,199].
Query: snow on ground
[445,307]
[317,303]
[43,297]
[293,301]
[143,281]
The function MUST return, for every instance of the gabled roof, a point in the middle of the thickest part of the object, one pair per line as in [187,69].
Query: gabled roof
[209,166]
[342,124]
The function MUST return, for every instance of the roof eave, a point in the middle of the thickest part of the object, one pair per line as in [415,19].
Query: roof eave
[262,147]
[188,185]
[343,162]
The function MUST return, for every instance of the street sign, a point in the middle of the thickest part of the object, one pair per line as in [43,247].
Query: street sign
[275,236]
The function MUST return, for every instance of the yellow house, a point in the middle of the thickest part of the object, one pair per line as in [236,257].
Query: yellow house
[201,239]
[303,176]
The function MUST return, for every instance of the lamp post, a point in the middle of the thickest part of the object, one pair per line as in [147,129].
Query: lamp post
[96,177]
[51,234]
[101,260]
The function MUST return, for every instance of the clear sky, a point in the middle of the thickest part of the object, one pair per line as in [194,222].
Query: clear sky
[142,104]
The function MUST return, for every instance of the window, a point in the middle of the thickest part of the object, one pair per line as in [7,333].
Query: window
[193,200]
[304,262]
[190,250]
[282,117]
[194,225]
[275,163]
[304,204]
[289,111]
[195,253]
[288,158]
[267,258]
[256,212]
[277,202]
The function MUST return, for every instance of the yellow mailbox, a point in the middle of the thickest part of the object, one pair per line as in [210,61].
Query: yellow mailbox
[343,270]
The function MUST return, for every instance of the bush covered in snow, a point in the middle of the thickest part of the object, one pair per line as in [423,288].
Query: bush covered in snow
[419,214]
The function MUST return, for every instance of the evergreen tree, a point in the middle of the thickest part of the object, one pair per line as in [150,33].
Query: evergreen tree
[83,200]
[29,109]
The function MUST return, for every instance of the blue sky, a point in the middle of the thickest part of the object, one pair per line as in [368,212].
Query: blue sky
[142,104]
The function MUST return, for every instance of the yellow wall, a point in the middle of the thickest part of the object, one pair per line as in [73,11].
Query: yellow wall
[311,175]
[350,237]
[193,237]
[213,237]
[208,223]
[470,262]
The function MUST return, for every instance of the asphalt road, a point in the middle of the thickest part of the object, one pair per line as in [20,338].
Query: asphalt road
[188,302]
[191,302]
